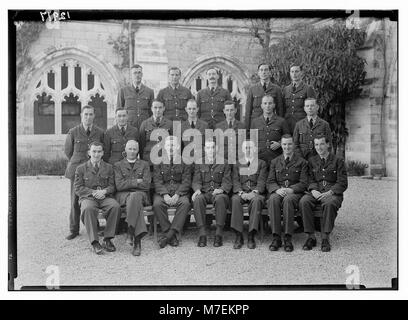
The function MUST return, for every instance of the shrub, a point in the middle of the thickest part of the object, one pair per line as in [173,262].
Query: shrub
[27,166]
[356,168]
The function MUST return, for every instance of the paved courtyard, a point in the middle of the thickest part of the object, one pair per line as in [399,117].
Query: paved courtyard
[365,236]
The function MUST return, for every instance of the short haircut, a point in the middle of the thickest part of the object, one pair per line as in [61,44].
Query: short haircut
[157,100]
[136,66]
[96,144]
[269,96]
[296,64]
[212,68]
[265,64]
[87,107]
[310,99]
[287,136]
[191,101]
[175,68]
[321,136]
[229,102]
[132,140]
[120,109]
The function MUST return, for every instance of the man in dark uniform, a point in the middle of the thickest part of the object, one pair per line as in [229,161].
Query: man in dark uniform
[76,149]
[327,183]
[255,94]
[287,182]
[117,136]
[136,98]
[156,121]
[175,97]
[132,178]
[95,187]
[210,101]
[249,177]
[294,96]
[308,128]
[270,130]
[211,184]
[172,182]
[230,123]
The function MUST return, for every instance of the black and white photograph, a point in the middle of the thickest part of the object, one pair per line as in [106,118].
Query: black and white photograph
[203,150]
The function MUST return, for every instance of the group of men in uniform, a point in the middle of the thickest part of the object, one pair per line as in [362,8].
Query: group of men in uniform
[289,168]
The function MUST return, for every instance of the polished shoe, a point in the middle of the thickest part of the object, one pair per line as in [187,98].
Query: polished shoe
[108,245]
[202,241]
[174,241]
[326,245]
[309,244]
[130,237]
[218,241]
[239,241]
[288,245]
[137,248]
[97,248]
[163,242]
[251,242]
[72,235]
[276,244]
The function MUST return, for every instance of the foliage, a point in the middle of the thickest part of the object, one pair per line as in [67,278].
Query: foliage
[356,168]
[328,56]
[121,47]
[26,34]
[27,166]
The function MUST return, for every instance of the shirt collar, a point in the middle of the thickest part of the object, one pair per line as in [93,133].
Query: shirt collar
[326,157]
[265,82]
[290,157]
[93,164]
[120,128]
[85,128]
[314,118]
[249,159]
[137,86]
[175,87]
[215,87]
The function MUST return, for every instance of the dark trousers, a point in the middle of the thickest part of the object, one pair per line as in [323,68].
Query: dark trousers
[220,202]
[330,206]
[237,213]
[160,207]
[135,203]
[89,216]
[75,213]
[286,205]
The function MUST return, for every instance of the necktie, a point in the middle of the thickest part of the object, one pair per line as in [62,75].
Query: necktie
[137,89]
[212,90]
[171,161]
[88,131]
[267,121]
[96,167]
[323,162]
[264,86]
[294,88]
[248,163]
[311,123]
[157,122]
[122,130]
[192,124]
[132,164]
[230,124]
[287,160]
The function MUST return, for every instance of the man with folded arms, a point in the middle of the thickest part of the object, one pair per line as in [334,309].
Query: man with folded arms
[248,185]
[95,186]
[327,183]
[287,182]
[211,184]
[172,181]
[132,178]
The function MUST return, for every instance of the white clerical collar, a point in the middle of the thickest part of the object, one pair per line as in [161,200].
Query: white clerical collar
[131,161]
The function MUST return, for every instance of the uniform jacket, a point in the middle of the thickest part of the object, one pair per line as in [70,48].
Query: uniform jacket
[223,125]
[172,179]
[175,102]
[88,180]
[209,177]
[145,131]
[76,146]
[294,175]
[211,105]
[293,101]
[268,133]
[138,104]
[303,136]
[200,125]
[115,142]
[248,183]
[254,100]
[126,178]
[331,176]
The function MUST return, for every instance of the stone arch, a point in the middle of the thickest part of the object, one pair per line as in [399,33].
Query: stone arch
[27,82]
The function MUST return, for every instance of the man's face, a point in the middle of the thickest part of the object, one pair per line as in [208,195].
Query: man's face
[287,146]
[171,146]
[212,76]
[264,72]
[174,77]
[268,105]
[311,108]
[230,111]
[121,117]
[136,75]
[96,153]
[157,109]
[131,149]
[295,73]
[87,117]
[209,149]
[322,148]
[248,147]
[192,110]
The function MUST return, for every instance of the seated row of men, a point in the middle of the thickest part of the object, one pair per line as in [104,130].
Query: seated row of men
[292,184]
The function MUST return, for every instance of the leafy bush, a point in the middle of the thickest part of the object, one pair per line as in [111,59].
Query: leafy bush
[356,168]
[27,166]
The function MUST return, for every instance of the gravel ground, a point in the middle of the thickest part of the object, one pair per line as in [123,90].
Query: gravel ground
[365,236]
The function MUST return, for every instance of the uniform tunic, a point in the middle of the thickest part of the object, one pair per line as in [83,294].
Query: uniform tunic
[115,142]
[211,105]
[175,102]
